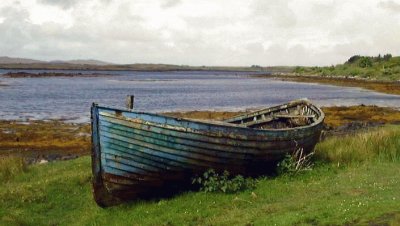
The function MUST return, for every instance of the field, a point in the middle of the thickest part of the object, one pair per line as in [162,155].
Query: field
[355,180]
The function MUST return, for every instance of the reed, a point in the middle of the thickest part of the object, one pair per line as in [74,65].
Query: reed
[11,167]
[380,144]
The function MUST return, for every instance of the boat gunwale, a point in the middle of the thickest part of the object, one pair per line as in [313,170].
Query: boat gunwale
[219,124]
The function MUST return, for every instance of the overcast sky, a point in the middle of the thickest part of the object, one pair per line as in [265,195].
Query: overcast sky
[200,32]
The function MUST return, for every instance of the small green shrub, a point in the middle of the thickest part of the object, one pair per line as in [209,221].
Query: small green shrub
[365,62]
[299,69]
[10,167]
[296,162]
[211,181]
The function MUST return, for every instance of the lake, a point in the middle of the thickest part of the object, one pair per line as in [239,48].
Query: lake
[71,98]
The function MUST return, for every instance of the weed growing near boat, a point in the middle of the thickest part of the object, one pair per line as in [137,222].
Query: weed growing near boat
[211,181]
[296,162]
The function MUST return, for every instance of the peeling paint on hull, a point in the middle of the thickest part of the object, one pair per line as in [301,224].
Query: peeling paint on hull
[137,153]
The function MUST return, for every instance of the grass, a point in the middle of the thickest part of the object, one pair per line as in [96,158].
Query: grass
[376,144]
[359,191]
[381,74]
[11,166]
[376,69]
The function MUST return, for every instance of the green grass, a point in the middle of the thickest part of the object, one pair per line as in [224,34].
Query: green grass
[365,191]
[11,167]
[379,69]
[374,145]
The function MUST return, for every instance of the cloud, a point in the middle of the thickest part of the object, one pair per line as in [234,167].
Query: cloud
[170,3]
[195,32]
[277,12]
[390,5]
[65,4]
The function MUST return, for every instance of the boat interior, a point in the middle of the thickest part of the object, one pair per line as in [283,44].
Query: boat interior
[294,114]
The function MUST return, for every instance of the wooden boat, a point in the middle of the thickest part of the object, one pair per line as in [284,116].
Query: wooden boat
[136,154]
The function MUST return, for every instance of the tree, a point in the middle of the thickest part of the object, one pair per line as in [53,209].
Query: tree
[379,58]
[353,59]
[387,57]
[365,62]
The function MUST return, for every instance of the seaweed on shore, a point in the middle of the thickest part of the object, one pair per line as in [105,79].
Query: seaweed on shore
[57,140]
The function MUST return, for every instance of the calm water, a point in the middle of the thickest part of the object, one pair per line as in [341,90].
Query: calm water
[71,98]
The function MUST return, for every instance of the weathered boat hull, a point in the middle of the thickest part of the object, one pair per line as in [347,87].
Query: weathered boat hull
[135,154]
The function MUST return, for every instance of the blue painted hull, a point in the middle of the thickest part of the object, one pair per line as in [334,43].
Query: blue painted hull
[137,153]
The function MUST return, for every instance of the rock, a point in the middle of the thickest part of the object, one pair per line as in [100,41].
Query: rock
[43,161]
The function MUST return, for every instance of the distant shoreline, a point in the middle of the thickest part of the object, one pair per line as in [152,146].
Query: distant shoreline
[387,87]
[51,74]
[142,68]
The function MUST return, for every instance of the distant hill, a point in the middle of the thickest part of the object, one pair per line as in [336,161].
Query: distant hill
[90,64]
[12,60]
[84,62]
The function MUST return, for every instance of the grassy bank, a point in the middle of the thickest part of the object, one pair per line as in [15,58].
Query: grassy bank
[383,68]
[342,189]
[379,73]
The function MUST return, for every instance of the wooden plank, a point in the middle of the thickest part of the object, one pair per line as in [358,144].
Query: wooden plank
[129,101]
[261,121]
[294,116]
[246,116]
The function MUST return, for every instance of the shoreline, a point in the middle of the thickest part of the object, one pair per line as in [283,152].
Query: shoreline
[380,86]
[52,140]
[138,68]
[53,74]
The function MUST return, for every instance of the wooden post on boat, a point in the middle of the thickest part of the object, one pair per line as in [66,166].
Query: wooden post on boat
[129,101]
